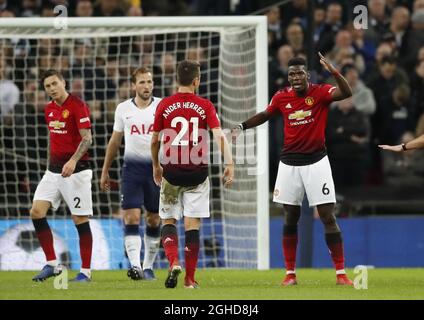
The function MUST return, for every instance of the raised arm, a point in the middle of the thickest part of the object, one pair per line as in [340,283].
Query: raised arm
[111,151]
[223,145]
[69,167]
[343,89]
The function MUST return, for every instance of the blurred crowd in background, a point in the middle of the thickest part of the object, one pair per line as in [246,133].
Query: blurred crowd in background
[383,63]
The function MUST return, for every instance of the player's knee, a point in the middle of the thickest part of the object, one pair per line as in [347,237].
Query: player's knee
[153,220]
[36,213]
[132,217]
[79,219]
[328,219]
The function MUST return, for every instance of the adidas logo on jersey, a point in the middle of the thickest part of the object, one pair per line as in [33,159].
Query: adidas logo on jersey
[288,106]
[51,114]
[167,240]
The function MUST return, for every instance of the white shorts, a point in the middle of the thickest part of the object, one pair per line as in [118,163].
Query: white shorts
[75,190]
[316,179]
[176,202]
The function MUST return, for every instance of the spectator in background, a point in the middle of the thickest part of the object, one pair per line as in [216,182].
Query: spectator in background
[400,29]
[396,119]
[362,45]
[135,11]
[417,91]
[278,69]
[388,77]
[84,66]
[84,8]
[275,31]
[30,131]
[197,53]
[404,169]
[319,23]
[347,141]
[124,89]
[332,25]
[8,8]
[362,96]
[378,21]
[415,40]
[343,49]
[295,38]
[295,12]
[30,8]
[168,65]
[108,8]
[9,93]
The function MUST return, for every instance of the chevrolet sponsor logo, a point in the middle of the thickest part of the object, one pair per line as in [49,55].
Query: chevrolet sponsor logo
[56,124]
[300,115]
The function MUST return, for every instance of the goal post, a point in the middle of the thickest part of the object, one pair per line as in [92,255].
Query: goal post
[97,55]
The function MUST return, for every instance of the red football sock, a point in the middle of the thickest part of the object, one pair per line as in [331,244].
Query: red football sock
[170,243]
[191,252]
[290,246]
[335,245]
[45,237]
[86,244]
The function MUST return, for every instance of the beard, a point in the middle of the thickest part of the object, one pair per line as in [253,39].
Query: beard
[144,96]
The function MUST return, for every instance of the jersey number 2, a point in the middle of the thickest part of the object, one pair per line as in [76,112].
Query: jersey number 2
[178,141]
[77,204]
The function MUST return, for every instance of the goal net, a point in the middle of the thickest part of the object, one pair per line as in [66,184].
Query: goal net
[97,57]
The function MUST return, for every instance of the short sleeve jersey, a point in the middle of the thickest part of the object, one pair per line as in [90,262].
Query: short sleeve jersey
[137,125]
[184,119]
[305,121]
[64,122]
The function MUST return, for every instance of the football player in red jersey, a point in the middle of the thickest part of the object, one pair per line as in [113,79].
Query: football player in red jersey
[68,174]
[183,120]
[304,165]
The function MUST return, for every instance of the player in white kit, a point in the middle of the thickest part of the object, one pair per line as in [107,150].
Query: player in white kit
[134,119]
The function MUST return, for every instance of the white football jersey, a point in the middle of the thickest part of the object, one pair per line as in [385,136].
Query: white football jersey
[137,125]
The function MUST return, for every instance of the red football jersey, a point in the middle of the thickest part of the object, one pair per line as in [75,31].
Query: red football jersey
[305,118]
[64,123]
[184,119]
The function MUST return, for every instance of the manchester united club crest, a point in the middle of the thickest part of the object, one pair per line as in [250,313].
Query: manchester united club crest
[65,114]
[309,101]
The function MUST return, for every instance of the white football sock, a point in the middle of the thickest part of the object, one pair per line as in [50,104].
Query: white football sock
[133,248]
[52,263]
[87,272]
[151,249]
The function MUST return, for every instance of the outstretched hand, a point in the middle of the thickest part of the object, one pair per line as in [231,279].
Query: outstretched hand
[397,148]
[235,132]
[326,64]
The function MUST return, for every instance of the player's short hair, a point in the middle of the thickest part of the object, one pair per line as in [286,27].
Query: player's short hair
[297,61]
[138,71]
[187,71]
[49,73]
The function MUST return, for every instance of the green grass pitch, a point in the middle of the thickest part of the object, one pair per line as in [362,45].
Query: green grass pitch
[220,284]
